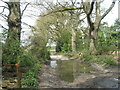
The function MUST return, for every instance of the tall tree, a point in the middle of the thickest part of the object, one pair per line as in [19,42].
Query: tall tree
[88,8]
[14,31]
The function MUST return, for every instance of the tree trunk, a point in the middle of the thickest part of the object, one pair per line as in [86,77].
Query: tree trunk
[73,41]
[93,32]
[92,43]
[93,39]
[14,31]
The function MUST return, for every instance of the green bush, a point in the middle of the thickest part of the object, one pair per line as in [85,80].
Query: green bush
[104,46]
[28,59]
[47,55]
[66,47]
[30,79]
[36,67]
[31,64]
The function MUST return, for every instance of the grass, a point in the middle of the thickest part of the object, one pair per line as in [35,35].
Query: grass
[70,55]
[101,59]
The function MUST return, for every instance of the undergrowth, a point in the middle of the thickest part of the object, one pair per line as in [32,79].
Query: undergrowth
[101,59]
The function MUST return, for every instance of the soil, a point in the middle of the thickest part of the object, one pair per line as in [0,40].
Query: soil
[101,78]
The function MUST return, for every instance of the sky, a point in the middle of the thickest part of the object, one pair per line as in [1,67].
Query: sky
[29,19]
[113,15]
[110,18]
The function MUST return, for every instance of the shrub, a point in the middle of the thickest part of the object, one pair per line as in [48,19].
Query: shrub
[30,79]
[31,64]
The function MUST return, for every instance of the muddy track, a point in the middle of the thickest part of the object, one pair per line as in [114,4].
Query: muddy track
[101,78]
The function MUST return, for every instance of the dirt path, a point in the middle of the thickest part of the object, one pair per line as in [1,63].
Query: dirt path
[102,78]
[59,57]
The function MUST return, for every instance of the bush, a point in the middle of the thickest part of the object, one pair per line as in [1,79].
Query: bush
[31,63]
[30,79]
[105,46]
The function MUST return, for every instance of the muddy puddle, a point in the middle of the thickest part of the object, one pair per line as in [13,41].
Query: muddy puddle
[69,70]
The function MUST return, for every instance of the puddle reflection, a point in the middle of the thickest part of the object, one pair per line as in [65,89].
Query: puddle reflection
[69,70]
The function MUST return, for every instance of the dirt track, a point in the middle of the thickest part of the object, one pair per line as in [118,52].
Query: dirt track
[102,78]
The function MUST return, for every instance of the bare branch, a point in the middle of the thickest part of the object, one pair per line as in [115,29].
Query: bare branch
[4,16]
[29,25]
[73,2]
[4,2]
[60,4]
[81,20]
[62,10]
[3,27]
[2,10]
[49,5]
[83,6]
[97,9]
[24,9]
[92,6]
[84,32]
[108,10]
[4,7]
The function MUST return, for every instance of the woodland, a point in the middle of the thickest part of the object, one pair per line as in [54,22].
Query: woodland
[74,29]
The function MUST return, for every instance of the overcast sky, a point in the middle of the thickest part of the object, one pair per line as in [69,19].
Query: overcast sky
[110,18]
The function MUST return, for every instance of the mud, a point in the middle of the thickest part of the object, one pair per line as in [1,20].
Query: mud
[100,78]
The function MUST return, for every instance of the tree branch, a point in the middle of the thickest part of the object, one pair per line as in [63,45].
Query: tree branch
[29,25]
[5,2]
[97,9]
[84,31]
[24,9]
[4,7]
[3,27]
[66,9]
[81,20]
[60,4]
[2,11]
[108,10]
[89,20]
[92,6]
[49,4]
[4,16]
[83,6]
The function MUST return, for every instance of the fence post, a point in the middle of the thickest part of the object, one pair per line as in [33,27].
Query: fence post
[19,75]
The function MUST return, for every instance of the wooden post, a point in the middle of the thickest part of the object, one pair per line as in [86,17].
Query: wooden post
[19,75]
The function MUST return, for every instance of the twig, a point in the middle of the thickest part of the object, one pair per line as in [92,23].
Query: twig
[24,9]
[3,27]
[66,9]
